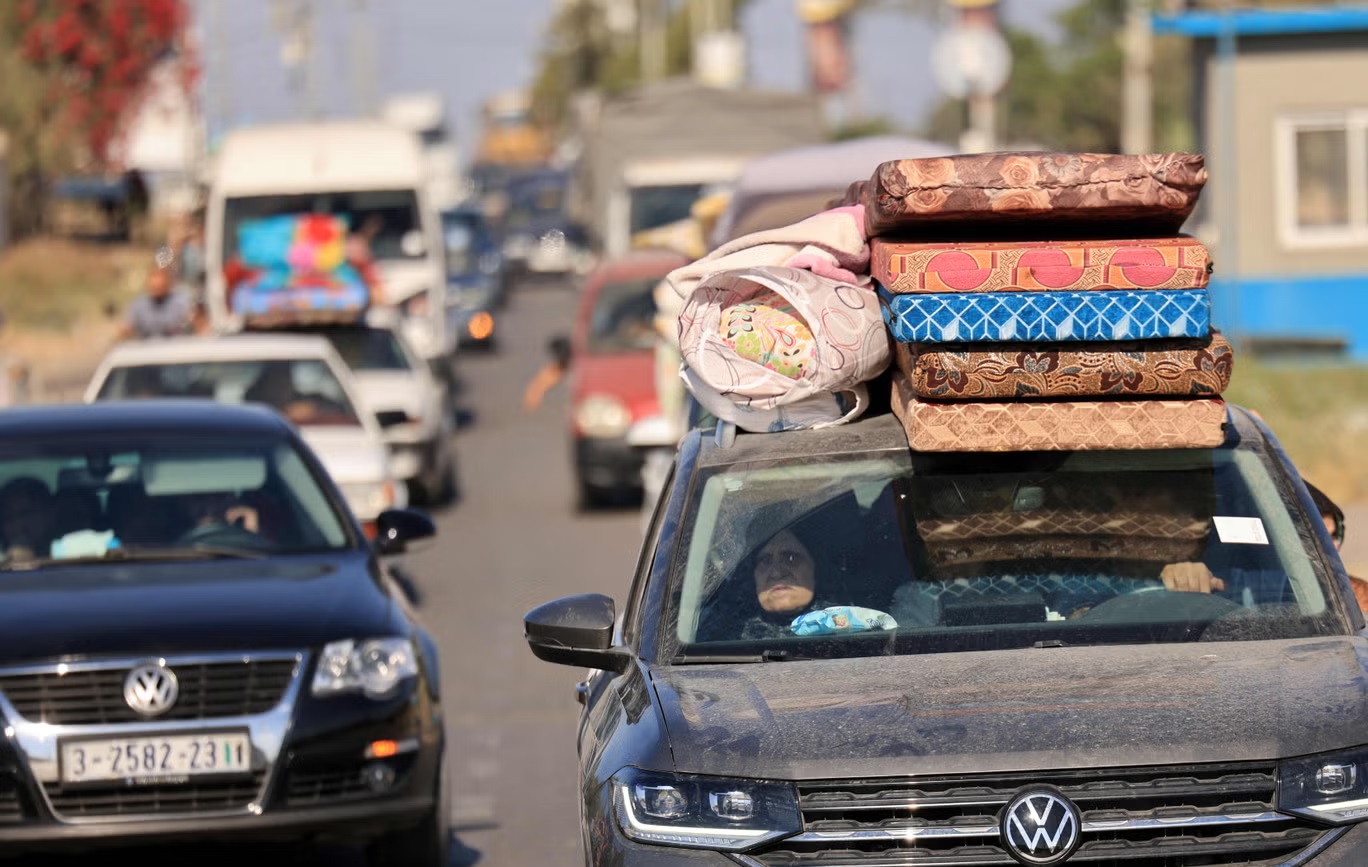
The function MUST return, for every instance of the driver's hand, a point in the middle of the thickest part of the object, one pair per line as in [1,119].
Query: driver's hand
[242,516]
[1190,578]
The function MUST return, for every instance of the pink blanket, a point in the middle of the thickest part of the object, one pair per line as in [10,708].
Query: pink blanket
[832,244]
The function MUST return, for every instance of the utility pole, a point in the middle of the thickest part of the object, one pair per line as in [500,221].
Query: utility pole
[293,19]
[1137,83]
[654,20]
[363,59]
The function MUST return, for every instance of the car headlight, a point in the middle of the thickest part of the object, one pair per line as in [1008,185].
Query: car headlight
[602,415]
[1331,787]
[367,499]
[703,812]
[375,668]
[552,241]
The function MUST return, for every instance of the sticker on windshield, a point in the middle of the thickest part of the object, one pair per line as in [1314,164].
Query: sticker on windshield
[1240,531]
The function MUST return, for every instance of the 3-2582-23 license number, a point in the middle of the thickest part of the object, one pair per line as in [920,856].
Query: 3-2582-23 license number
[156,756]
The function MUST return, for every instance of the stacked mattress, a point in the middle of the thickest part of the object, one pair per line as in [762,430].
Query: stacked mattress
[1046,301]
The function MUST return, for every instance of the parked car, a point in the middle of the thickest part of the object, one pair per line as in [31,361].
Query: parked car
[991,668]
[612,372]
[171,670]
[299,375]
[476,281]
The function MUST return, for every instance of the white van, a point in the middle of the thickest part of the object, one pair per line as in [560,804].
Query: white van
[371,172]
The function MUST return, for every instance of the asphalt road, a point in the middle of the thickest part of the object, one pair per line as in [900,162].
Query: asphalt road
[513,540]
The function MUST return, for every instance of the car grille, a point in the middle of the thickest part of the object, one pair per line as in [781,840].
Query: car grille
[220,796]
[11,806]
[307,787]
[95,696]
[1139,817]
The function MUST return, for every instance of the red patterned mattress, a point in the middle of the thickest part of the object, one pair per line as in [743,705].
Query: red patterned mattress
[1160,263]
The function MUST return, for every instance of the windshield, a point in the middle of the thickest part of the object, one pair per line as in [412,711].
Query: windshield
[368,348]
[305,391]
[653,207]
[386,216]
[95,500]
[467,238]
[623,317]
[920,553]
[535,201]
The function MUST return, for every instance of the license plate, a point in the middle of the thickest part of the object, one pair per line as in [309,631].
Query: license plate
[173,757]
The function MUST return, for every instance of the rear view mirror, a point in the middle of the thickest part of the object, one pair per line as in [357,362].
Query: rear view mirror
[575,630]
[391,417]
[397,529]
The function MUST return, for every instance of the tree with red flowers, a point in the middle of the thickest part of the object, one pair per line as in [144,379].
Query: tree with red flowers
[93,59]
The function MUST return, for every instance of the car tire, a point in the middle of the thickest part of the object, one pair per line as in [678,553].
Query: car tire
[588,498]
[427,844]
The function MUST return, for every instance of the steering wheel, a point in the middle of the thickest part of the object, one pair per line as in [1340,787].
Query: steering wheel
[1157,605]
[220,535]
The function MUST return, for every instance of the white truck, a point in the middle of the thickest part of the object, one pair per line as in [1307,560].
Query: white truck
[651,153]
[373,173]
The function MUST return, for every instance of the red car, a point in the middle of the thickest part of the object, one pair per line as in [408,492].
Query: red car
[612,372]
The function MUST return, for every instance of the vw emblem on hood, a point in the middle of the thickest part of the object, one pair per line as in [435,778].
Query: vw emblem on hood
[151,689]
[1040,826]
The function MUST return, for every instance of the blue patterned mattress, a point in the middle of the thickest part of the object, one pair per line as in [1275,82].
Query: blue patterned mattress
[1032,317]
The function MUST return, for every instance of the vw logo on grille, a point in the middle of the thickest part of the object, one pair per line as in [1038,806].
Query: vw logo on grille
[151,690]
[1040,826]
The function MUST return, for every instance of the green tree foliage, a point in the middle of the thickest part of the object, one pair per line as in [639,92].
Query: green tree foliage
[1066,94]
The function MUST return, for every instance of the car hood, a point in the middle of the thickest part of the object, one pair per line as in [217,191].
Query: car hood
[135,609]
[1019,710]
[401,278]
[392,390]
[349,454]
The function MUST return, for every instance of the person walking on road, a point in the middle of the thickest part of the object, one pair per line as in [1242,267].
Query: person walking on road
[160,311]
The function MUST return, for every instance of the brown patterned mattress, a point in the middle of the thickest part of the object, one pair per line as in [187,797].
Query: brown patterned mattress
[1071,547]
[1063,522]
[1058,425]
[984,266]
[1101,195]
[1149,368]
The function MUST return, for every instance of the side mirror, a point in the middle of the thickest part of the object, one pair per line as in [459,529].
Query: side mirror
[395,529]
[391,417]
[575,630]
[559,348]
[412,244]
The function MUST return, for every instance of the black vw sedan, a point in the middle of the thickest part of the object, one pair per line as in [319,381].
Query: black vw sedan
[838,652]
[196,639]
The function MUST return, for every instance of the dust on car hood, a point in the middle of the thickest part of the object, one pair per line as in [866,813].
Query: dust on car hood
[1017,710]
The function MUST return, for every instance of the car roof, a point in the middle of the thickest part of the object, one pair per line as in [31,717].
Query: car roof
[637,264]
[873,433]
[133,417]
[229,347]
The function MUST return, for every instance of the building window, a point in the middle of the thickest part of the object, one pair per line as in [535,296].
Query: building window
[1323,169]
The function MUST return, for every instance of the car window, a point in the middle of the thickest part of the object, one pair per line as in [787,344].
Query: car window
[913,553]
[85,500]
[623,316]
[303,390]
[368,348]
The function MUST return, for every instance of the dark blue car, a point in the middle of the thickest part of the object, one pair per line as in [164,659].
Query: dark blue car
[476,280]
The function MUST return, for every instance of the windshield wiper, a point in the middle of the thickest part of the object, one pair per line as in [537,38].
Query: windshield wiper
[737,658]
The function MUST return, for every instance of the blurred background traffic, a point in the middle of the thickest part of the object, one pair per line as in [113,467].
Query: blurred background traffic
[518,177]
